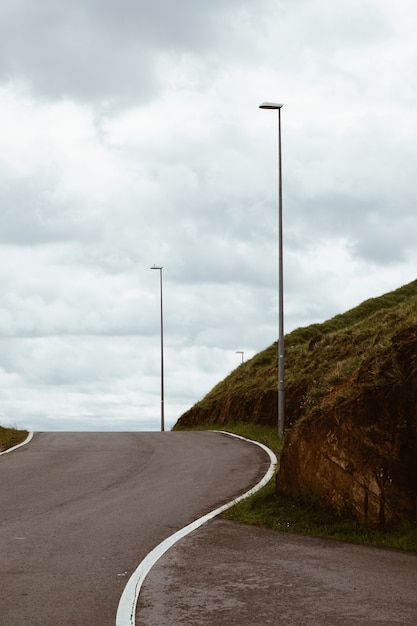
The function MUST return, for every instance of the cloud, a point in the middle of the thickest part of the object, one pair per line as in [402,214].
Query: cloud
[130,134]
[105,51]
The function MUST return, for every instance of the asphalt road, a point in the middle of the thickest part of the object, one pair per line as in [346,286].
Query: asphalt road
[79,511]
[231,574]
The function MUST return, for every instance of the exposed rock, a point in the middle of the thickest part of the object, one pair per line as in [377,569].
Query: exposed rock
[350,408]
[361,456]
[261,409]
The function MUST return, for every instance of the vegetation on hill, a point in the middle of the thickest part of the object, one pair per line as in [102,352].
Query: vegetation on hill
[365,358]
[325,363]
[10,437]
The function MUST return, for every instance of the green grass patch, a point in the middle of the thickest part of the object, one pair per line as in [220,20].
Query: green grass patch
[307,515]
[257,432]
[10,437]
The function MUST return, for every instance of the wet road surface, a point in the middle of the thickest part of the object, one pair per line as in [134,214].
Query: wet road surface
[227,573]
[79,511]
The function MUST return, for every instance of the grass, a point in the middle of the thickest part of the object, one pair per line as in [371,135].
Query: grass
[329,367]
[363,313]
[306,515]
[10,437]
[264,434]
[326,364]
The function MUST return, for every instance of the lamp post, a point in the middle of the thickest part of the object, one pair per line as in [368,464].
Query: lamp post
[240,352]
[281,369]
[159,267]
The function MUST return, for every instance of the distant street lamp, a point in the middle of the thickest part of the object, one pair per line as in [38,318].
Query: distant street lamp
[240,352]
[281,369]
[159,267]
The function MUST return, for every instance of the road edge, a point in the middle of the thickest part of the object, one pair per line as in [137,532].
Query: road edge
[126,611]
[19,445]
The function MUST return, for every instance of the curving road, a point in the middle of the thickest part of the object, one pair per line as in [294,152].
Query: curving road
[79,511]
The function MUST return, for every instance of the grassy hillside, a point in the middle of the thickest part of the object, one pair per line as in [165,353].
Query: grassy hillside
[326,364]
[10,437]
[367,352]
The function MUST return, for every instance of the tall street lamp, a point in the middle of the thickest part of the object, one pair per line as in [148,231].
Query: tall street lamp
[159,267]
[281,370]
[242,353]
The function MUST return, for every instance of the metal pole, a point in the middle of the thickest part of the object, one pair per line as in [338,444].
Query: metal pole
[162,358]
[281,366]
[160,268]
[281,370]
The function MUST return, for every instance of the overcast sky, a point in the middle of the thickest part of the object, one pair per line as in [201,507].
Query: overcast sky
[130,135]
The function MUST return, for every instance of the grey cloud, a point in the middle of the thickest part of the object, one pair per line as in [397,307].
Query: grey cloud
[20,223]
[386,240]
[185,176]
[29,215]
[103,50]
[378,230]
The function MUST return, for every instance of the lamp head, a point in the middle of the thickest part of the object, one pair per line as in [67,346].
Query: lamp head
[270,105]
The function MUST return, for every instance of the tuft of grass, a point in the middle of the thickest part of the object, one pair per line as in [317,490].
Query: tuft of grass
[10,437]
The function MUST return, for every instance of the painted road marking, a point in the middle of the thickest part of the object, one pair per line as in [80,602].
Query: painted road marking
[126,612]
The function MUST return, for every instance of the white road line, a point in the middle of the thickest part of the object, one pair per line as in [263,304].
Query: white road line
[126,611]
[28,438]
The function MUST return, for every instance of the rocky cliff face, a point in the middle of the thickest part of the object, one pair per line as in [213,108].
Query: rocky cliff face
[361,456]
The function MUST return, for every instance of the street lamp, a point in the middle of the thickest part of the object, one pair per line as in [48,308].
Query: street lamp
[159,267]
[240,352]
[281,370]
